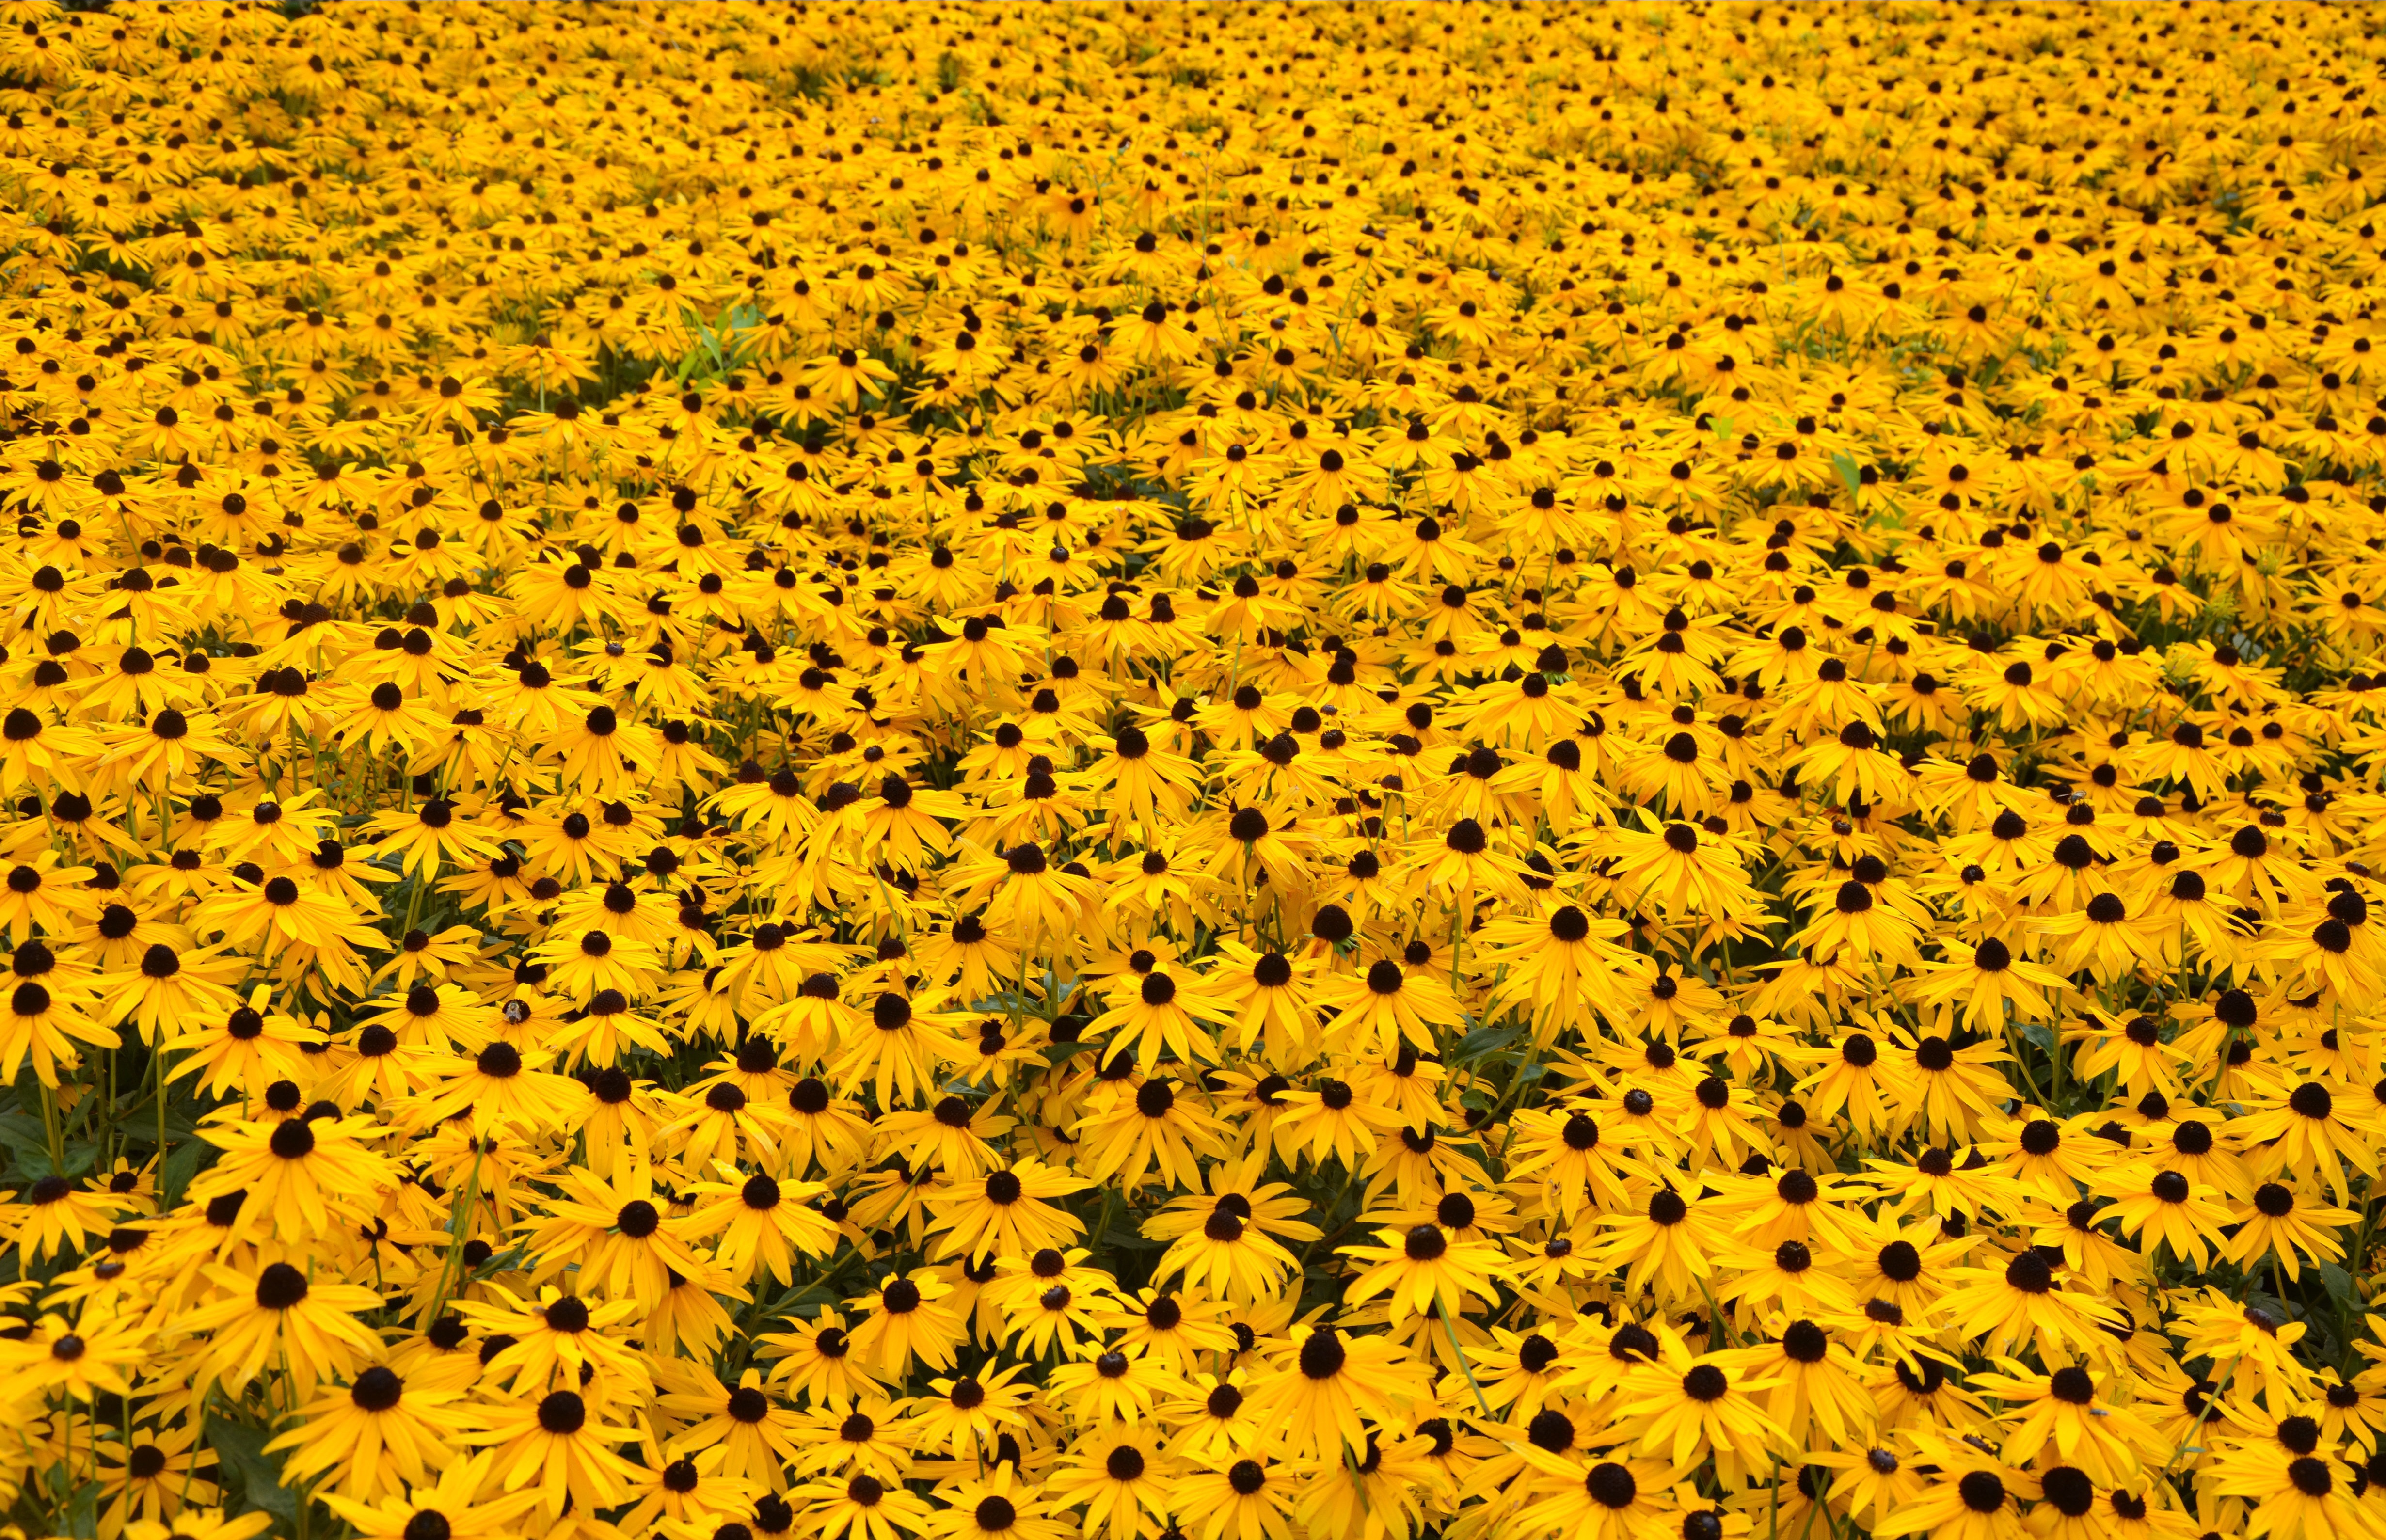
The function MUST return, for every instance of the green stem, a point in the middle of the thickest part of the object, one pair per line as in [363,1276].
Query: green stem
[2211,1404]
[1441,1309]
[456,1224]
[414,902]
[50,1126]
[1731,1332]
[157,1061]
[2353,1267]
[2018,1043]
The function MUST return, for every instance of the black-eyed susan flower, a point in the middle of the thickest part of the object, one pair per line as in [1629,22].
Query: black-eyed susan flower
[1245,1496]
[2311,1127]
[1971,1495]
[1160,1127]
[817,1361]
[79,1359]
[859,1506]
[1115,1387]
[557,1339]
[2288,1229]
[997,1507]
[963,1413]
[617,1234]
[1005,1213]
[2019,1304]
[1610,1496]
[277,1314]
[1423,1271]
[759,1224]
[300,1175]
[1318,1397]
[758,1435]
[906,1321]
[1229,1256]
[551,1447]
[2064,1413]
[375,1437]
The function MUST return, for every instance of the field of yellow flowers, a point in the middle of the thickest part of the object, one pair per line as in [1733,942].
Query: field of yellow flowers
[1191,772]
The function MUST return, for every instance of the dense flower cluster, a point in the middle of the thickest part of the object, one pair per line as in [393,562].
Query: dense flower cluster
[1215,773]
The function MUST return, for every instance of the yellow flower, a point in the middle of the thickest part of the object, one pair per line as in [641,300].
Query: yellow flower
[381,1436]
[280,1315]
[1423,1269]
[550,1449]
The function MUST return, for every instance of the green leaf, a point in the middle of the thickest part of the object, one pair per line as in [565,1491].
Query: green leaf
[1132,1241]
[1850,477]
[182,1165]
[504,1261]
[1482,1042]
[81,1517]
[140,1118]
[797,1301]
[2341,1288]
[23,1136]
[807,1297]
[241,1450]
[1532,1074]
